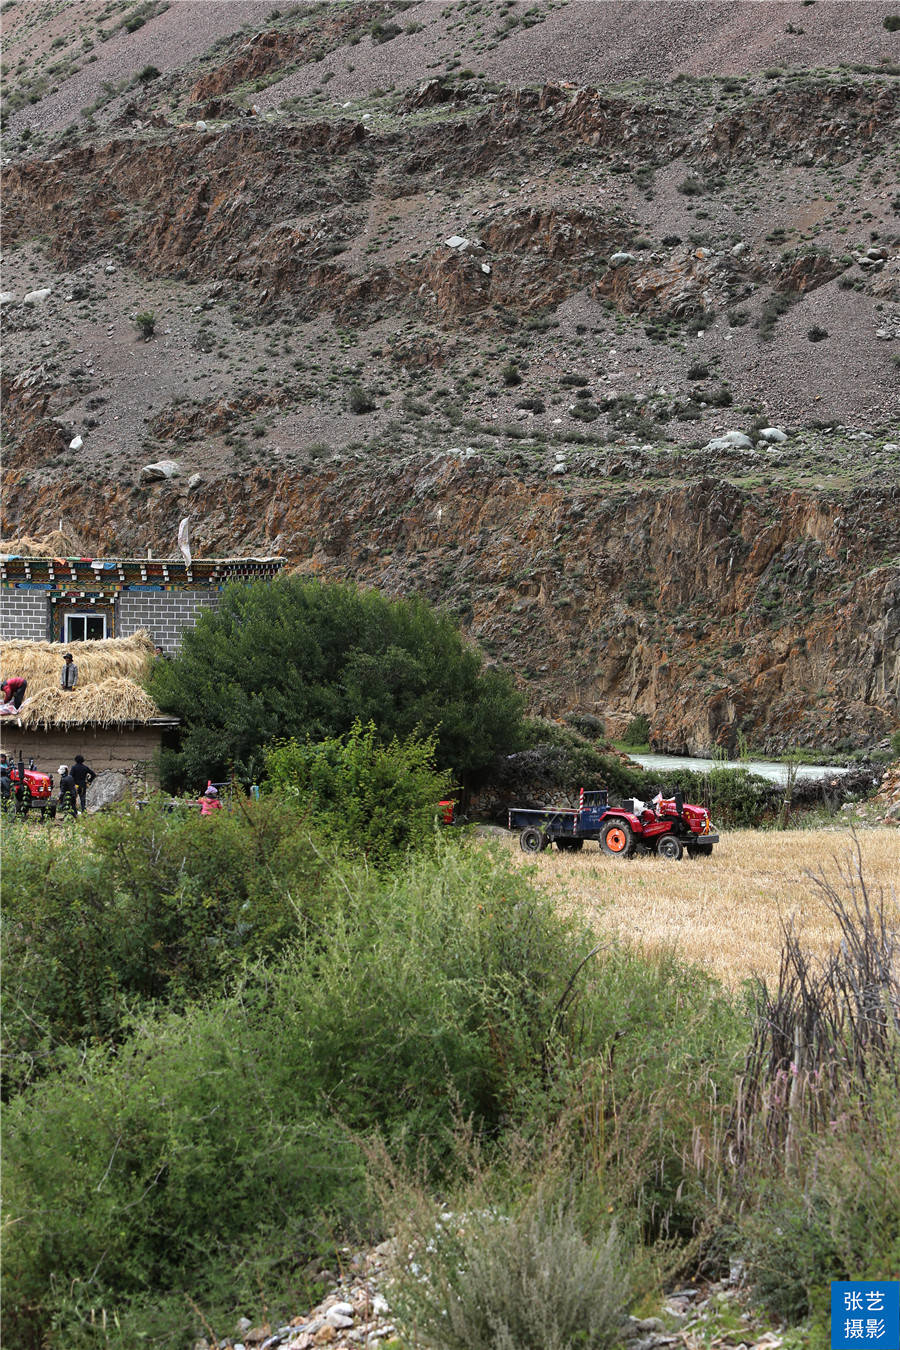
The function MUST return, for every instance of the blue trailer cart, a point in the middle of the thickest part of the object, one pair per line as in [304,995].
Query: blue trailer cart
[567,827]
[668,826]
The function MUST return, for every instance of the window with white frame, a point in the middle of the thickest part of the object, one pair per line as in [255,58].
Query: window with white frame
[84,627]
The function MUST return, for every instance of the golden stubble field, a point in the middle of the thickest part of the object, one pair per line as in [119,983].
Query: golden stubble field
[724,912]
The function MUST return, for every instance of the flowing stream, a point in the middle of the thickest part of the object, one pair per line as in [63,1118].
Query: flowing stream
[766,768]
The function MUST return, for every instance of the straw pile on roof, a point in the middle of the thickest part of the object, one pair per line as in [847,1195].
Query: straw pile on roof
[106,704]
[108,691]
[56,544]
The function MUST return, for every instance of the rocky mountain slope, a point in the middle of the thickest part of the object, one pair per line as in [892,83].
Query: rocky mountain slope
[465,300]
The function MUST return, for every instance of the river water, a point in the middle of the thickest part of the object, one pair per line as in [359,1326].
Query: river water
[766,768]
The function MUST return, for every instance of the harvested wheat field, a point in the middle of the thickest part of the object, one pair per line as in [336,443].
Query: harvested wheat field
[724,912]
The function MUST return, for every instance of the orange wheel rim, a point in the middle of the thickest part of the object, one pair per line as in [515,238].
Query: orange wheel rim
[616,840]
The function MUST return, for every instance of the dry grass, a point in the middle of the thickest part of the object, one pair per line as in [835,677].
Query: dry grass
[723,912]
[56,544]
[107,703]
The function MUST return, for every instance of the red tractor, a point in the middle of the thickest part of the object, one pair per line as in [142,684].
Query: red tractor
[667,826]
[24,789]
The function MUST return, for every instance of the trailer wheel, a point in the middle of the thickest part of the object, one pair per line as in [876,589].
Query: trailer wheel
[532,840]
[569,845]
[617,839]
[669,847]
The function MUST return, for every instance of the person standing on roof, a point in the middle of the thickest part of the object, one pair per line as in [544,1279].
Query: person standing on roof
[69,676]
[13,690]
[83,776]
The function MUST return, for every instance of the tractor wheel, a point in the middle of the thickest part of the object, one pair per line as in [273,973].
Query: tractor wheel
[617,839]
[532,840]
[699,850]
[669,847]
[570,845]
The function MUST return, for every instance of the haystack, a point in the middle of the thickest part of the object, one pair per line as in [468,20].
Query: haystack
[108,691]
[56,544]
[41,662]
[105,704]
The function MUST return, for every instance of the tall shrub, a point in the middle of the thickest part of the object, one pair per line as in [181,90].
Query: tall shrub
[296,658]
[376,799]
[149,908]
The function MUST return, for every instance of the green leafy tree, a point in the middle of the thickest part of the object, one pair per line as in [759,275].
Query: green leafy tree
[305,659]
[377,799]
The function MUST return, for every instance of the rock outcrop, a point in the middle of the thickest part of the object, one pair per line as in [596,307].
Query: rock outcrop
[724,614]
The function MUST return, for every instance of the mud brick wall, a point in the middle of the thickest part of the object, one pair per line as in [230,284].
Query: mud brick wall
[165,614]
[24,614]
[102,747]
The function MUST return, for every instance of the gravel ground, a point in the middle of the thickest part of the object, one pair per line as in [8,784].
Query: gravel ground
[592,42]
[605,41]
[172,40]
[848,377]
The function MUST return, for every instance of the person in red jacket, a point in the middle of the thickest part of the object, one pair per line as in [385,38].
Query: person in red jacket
[210,801]
[13,690]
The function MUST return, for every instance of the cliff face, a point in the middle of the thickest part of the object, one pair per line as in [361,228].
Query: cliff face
[472,331]
[727,615]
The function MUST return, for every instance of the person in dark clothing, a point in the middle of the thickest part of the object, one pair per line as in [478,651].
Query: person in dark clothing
[13,690]
[66,792]
[69,676]
[82,776]
[5,779]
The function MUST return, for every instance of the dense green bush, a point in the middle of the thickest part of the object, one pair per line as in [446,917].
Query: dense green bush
[217,1139]
[147,907]
[377,800]
[568,760]
[638,730]
[298,658]
[145,1169]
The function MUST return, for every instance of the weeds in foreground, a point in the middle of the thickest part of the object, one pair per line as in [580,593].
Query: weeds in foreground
[830,1029]
[519,1263]
[817,1115]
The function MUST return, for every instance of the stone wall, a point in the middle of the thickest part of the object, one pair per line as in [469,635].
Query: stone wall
[165,614]
[102,747]
[24,615]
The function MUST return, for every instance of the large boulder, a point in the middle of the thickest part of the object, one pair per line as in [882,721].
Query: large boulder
[730,440]
[108,787]
[158,472]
